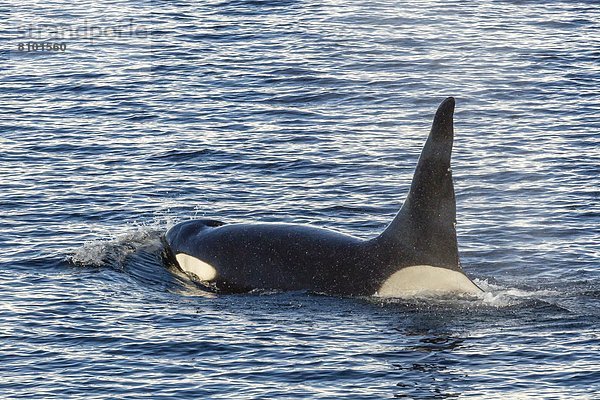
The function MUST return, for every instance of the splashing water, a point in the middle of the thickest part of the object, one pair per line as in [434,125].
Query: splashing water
[115,251]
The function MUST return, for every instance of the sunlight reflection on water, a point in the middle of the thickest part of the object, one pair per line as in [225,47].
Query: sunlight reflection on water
[295,111]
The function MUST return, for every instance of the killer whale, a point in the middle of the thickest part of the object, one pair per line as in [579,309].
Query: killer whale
[417,252]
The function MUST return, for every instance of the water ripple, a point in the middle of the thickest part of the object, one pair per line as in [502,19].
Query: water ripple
[295,111]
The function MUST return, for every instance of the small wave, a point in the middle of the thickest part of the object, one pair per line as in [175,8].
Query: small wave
[114,251]
[499,296]
[137,253]
[186,155]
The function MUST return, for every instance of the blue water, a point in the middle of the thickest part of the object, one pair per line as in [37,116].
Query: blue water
[306,112]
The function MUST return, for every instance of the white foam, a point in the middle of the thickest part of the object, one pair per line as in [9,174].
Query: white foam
[499,296]
[117,248]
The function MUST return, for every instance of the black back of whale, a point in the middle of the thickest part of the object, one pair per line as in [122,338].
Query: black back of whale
[300,257]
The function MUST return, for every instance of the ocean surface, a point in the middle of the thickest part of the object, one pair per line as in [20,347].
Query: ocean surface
[149,113]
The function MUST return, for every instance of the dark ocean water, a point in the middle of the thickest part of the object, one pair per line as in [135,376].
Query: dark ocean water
[307,112]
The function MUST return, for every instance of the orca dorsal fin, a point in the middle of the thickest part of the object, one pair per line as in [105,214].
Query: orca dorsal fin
[425,225]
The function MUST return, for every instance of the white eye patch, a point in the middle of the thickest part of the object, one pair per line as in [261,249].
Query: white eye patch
[203,270]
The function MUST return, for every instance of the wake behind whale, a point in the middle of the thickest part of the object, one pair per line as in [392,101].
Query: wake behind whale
[417,253]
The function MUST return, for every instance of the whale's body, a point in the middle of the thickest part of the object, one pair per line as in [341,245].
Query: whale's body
[417,252]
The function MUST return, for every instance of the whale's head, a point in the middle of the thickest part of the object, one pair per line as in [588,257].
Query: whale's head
[180,249]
